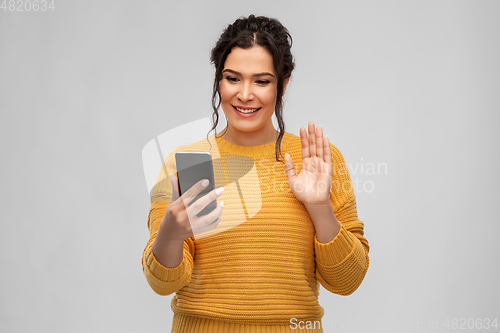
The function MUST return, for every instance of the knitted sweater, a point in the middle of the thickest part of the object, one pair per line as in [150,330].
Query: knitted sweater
[260,269]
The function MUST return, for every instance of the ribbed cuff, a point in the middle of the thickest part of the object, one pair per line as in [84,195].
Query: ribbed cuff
[333,252]
[167,274]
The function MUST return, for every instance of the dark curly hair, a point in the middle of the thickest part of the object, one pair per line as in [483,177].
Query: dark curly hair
[245,33]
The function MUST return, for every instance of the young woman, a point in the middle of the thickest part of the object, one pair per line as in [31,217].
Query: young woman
[261,274]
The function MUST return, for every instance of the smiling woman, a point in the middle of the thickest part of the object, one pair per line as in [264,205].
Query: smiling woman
[248,96]
[255,52]
[262,274]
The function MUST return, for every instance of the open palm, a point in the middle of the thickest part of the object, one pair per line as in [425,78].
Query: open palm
[312,184]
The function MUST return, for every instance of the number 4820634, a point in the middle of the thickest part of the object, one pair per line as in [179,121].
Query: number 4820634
[471,323]
[27,5]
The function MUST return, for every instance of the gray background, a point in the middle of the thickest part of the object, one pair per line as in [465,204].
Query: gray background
[412,85]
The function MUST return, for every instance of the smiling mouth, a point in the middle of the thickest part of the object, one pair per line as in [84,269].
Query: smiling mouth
[246,111]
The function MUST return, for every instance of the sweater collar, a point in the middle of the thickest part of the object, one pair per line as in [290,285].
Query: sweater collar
[267,150]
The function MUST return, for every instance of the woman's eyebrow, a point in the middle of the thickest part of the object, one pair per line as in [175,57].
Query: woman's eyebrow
[238,73]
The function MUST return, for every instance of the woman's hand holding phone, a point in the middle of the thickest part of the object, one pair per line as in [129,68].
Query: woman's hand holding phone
[181,221]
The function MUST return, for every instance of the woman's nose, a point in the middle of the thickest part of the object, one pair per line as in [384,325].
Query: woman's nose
[245,94]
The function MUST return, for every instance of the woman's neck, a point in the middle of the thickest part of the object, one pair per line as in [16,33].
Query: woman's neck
[254,138]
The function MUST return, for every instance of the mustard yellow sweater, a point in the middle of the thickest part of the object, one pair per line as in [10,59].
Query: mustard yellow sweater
[260,269]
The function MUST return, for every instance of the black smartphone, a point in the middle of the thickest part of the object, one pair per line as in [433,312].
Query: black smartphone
[193,166]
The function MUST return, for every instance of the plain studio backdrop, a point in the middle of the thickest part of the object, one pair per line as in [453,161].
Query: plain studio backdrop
[408,91]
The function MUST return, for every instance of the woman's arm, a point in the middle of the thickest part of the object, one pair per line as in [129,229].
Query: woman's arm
[342,263]
[325,188]
[162,279]
[169,254]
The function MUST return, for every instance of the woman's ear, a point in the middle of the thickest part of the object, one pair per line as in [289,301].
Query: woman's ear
[285,84]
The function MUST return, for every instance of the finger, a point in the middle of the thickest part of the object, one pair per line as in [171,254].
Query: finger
[319,142]
[204,201]
[305,143]
[190,194]
[289,167]
[175,187]
[209,221]
[328,153]
[312,139]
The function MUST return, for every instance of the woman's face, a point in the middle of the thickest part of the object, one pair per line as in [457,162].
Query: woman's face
[249,83]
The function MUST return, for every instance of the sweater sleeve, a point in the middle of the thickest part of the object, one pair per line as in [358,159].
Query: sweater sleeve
[164,280]
[342,263]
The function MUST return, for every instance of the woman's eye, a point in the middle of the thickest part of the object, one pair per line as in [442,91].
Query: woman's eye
[235,79]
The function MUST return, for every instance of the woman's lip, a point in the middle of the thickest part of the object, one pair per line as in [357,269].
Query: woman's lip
[245,107]
[245,114]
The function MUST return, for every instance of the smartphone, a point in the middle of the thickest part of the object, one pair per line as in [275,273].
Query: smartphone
[191,168]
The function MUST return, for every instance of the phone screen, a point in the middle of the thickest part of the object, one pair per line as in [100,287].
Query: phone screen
[191,168]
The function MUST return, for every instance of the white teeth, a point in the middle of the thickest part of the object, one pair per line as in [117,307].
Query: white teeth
[246,111]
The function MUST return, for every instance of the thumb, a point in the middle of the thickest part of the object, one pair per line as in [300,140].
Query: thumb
[289,167]
[175,187]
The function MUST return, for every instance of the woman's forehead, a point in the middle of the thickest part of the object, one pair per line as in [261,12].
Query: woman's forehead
[249,61]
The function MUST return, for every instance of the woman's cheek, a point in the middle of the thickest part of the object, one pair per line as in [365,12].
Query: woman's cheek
[222,90]
[270,97]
